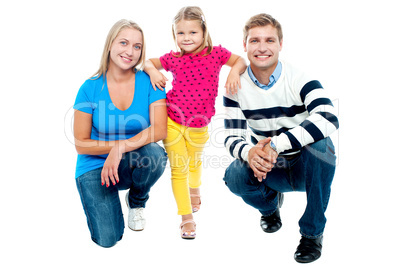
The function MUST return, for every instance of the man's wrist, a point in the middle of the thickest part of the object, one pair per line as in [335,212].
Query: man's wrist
[273,146]
[247,155]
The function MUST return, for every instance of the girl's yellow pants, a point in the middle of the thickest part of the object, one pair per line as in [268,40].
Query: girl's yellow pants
[184,146]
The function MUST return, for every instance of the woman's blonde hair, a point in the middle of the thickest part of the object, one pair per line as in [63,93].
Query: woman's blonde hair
[194,13]
[114,31]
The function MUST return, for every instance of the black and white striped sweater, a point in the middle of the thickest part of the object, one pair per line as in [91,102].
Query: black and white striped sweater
[295,112]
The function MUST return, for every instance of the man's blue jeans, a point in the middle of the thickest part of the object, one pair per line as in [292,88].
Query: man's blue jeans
[138,171]
[311,171]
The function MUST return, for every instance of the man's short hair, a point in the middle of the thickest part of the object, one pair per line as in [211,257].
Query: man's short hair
[261,20]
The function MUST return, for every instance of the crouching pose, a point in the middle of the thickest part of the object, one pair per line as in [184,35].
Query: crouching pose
[290,118]
[118,118]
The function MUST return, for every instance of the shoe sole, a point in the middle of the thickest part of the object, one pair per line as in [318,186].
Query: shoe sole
[139,230]
[305,261]
[188,238]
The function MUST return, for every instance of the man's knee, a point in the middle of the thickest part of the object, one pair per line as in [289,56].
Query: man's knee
[324,150]
[322,146]
[236,176]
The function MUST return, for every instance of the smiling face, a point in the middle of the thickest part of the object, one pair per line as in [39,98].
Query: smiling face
[126,49]
[263,47]
[189,35]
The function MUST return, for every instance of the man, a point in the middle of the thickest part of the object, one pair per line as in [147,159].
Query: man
[290,117]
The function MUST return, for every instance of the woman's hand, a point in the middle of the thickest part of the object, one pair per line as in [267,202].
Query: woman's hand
[110,168]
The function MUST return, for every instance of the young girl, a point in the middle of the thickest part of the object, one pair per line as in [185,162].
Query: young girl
[191,104]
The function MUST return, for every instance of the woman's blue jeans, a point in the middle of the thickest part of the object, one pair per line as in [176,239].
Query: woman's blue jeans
[311,171]
[138,171]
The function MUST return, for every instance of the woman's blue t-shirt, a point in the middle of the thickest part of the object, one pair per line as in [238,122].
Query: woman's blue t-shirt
[110,123]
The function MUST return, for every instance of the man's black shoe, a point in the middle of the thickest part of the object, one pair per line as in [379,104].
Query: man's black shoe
[308,250]
[281,197]
[272,223]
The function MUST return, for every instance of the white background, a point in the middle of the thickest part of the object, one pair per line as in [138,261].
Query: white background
[49,48]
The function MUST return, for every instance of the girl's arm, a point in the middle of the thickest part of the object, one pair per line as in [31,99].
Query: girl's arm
[152,67]
[238,65]
[85,145]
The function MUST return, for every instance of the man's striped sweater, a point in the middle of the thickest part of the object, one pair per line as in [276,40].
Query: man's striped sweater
[295,112]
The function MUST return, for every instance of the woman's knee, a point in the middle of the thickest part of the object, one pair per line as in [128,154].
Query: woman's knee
[152,150]
[106,241]
[102,209]
[106,228]
[149,155]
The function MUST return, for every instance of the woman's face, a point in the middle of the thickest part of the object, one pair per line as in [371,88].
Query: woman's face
[126,49]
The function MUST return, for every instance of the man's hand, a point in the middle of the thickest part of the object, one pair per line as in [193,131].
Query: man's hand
[272,154]
[262,159]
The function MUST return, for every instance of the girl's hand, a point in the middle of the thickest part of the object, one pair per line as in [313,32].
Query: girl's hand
[238,65]
[109,172]
[233,83]
[158,80]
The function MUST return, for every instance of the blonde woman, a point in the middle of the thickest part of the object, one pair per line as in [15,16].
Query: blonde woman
[191,104]
[118,118]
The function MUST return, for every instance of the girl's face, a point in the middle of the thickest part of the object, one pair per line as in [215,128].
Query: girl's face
[126,49]
[189,35]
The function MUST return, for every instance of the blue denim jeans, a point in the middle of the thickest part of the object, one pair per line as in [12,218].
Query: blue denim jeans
[138,171]
[311,171]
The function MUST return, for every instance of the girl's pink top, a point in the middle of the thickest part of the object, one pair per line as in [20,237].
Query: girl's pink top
[191,101]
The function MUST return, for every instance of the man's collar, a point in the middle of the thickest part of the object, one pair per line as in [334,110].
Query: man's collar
[272,79]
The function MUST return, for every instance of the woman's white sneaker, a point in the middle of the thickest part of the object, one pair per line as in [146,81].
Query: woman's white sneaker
[136,219]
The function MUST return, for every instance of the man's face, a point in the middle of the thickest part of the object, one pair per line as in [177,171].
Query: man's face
[262,47]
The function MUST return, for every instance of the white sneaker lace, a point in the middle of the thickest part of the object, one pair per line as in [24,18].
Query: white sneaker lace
[138,214]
